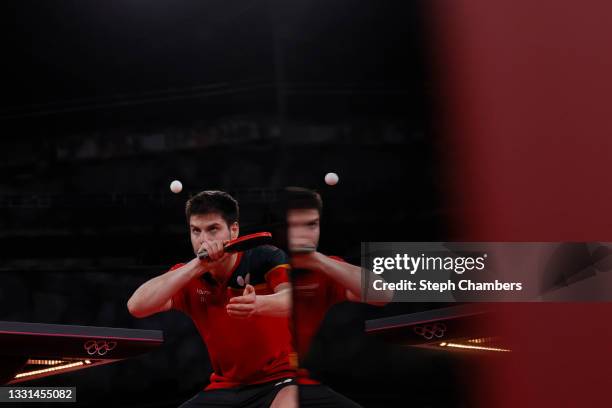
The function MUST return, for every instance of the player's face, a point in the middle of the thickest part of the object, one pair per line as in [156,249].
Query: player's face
[210,227]
[303,228]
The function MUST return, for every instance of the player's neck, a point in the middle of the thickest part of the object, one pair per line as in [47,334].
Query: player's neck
[222,271]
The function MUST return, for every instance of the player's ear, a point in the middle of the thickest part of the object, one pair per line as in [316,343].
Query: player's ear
[234,230]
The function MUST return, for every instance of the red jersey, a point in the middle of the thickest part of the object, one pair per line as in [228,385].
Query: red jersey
[242,351]
[314,293]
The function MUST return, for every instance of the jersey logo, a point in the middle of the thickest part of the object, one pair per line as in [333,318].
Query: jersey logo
[244,281]
[288,380]
[99,347]
[203,294]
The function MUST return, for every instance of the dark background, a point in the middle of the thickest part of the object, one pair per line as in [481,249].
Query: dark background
[105,103]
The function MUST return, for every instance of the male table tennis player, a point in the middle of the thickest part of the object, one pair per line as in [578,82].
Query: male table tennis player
[319,282]
[239,303]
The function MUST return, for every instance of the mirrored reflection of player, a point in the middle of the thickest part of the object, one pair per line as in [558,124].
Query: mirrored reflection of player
[239,303]
[319,281]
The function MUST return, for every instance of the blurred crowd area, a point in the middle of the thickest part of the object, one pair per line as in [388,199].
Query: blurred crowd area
[106,199]
[237,151]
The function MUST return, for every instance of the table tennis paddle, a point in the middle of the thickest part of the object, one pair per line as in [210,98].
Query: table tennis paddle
[243,243]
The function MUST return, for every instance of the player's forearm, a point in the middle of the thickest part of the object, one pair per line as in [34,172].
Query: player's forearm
[152,295]
[350,277]
[276,305]
[344,273]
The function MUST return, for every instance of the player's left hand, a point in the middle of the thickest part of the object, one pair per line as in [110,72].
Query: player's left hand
[245,306]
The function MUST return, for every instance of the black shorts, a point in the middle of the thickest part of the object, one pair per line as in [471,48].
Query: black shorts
[321,396]
[248,396]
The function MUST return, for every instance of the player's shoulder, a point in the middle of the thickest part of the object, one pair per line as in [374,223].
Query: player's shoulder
[266,249]
[263,258]
[256,263]
[260,260]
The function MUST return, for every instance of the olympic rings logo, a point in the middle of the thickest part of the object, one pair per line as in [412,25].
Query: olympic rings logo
[429,331]
[99,347]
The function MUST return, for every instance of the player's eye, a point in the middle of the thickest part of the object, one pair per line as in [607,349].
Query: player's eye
[195,231]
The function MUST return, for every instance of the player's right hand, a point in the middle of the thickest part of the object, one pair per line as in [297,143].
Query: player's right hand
[215,250]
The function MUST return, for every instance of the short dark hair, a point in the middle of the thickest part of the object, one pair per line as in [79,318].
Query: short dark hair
[299,198]
[213,201]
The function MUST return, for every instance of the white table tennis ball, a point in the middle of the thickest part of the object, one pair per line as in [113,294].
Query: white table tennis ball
[331,179]
[176,186]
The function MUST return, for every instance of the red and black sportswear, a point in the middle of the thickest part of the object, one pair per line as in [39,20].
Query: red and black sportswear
[242,351]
